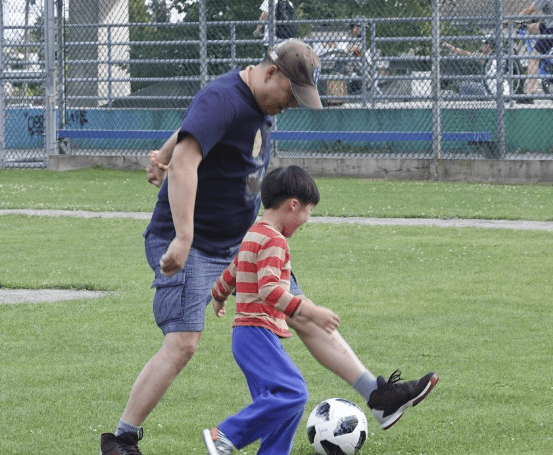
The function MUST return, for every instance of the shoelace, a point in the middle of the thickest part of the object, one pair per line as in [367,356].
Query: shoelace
[393,382]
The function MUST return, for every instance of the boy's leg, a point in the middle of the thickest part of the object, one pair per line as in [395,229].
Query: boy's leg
[280,441]
[278,390]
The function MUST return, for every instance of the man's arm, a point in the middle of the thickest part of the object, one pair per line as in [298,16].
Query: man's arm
[183,175]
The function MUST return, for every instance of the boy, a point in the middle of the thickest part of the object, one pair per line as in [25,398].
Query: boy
[260,274]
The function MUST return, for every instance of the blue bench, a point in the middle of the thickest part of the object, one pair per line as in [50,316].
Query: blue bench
[290,135]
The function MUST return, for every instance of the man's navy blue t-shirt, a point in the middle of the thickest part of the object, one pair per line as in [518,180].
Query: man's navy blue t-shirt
[234,137]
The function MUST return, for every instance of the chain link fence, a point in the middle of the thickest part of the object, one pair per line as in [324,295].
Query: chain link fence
[417,79]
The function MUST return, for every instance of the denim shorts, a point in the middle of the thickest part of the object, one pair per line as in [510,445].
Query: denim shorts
[180,301]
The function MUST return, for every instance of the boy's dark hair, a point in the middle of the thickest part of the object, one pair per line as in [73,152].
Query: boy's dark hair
[288,182]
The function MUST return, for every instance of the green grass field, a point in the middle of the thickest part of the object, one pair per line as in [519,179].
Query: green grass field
[472,304]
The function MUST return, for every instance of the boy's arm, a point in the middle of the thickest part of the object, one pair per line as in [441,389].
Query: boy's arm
[271,292]
[323,317]
[270,262]
[223,287]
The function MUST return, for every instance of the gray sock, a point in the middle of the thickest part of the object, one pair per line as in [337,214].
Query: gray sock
[125,427]
[365,384]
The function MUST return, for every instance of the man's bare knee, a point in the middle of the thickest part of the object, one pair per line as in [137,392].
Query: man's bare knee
[180,347]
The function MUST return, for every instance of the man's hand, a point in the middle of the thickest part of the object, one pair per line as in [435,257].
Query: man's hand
[156,171]
[175,257]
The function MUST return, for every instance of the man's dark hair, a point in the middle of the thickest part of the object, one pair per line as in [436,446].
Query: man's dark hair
[288,182]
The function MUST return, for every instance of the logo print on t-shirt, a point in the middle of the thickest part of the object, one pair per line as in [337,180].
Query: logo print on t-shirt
[257,143]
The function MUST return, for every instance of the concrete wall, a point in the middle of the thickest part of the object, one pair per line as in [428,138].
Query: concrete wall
[485,171]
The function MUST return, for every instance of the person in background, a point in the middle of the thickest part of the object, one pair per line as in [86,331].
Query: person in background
[542,46]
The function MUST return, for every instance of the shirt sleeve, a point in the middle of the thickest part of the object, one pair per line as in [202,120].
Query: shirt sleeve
[226,283]
[265,6]
[208,118]
[270,271]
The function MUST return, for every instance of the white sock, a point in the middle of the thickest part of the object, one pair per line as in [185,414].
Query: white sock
[125,427]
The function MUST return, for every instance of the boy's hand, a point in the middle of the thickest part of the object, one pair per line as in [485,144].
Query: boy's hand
[156,171]
[326,319]
[220,307]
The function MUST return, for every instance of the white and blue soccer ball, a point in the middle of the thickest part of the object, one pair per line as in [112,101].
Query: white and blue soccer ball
[337,427]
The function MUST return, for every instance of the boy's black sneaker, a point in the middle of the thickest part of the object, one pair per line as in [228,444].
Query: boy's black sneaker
[391,399]
[124,444]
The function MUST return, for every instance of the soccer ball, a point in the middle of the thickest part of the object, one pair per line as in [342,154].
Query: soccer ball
[337,427]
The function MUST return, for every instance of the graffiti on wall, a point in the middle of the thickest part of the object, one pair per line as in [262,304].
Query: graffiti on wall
[35,122]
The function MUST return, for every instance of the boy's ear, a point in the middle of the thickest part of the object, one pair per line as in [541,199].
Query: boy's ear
[293,204]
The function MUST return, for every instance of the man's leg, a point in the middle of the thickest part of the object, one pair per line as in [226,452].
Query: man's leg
[150,386]
[532,84]
[179,310]
[331,350]
[387,399]
[158,374]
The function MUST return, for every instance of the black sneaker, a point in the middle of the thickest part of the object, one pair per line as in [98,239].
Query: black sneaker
[390,400]
[124,444]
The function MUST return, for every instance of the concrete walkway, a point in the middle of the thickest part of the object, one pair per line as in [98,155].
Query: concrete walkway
[453,222]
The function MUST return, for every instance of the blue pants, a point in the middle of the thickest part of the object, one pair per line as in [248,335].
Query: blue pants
[277,388]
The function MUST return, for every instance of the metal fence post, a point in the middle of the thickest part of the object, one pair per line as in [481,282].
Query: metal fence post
[436,105]
[271,22]
[50,143]
[2,100]
[500,62]
[59,64]
[203,42]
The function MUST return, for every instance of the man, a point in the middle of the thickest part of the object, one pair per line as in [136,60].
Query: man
[209,199]
[542,45]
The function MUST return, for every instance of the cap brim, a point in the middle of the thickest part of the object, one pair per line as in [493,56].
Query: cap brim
[307,96]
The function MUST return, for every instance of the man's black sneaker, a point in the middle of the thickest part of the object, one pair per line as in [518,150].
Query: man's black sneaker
[124,444]
[391,399]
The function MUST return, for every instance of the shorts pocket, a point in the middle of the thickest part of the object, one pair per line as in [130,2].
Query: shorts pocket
[155,247]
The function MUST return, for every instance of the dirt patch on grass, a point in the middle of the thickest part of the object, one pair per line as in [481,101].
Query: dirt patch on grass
[13,296]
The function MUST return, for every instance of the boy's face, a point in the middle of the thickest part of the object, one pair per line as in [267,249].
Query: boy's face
[296,217]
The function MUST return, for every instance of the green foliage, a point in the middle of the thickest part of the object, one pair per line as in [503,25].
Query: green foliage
[157,28]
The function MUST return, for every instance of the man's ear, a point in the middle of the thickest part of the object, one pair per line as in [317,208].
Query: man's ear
[270,72]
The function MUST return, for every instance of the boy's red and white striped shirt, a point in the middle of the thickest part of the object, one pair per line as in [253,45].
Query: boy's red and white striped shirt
[260,273]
